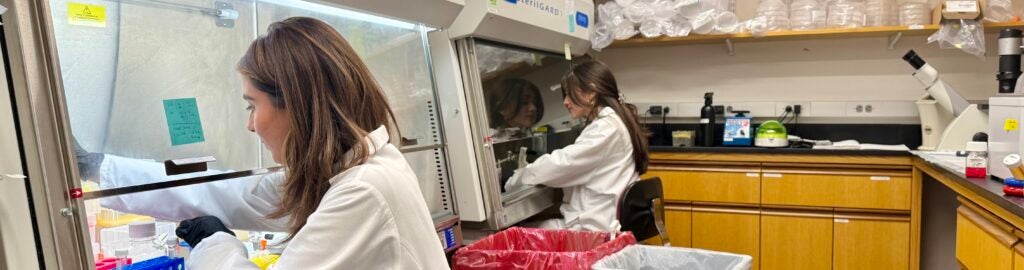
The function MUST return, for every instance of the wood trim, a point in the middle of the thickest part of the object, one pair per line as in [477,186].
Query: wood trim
[727,210]
[1019,234]
[1019,248]
[676,207]
[844,166]
[892,173]
[817,34]
[703,163]
[998,222]
[797,213]
[873,211]
[783,158]
[726,204]
[797,208]
[864,216]
[934,173]
[704,169]
[916,189]
[996,232]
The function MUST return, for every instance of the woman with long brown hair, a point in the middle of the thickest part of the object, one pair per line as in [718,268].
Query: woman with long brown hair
[595,170]
[347,198]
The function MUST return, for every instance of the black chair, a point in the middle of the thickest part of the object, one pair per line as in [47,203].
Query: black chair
[641,210]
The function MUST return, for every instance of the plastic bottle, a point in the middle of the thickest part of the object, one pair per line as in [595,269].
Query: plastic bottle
[707,121]
[977,160]
[121,255]
[141,237]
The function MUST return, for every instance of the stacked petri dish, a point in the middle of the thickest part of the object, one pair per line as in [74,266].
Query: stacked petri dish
[846,14]
[776,12]
[881,13]
[807,15]
[914,13]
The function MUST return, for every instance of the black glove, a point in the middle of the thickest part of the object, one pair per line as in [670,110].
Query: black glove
[195,230]
[88,163]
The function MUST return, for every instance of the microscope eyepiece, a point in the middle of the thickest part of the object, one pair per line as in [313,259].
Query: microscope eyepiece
[914,60]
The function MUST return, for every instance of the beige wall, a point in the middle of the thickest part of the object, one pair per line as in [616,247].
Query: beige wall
[838,69]
[810,70]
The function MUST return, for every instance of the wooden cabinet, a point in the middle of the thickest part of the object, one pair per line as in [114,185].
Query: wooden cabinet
[678,223]
[981,244]
[724,184]
[858,189]
[796,240]
[728,229]
[1018,257]
[871,242]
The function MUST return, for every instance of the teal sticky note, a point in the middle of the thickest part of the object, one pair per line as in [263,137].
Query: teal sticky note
[183,121]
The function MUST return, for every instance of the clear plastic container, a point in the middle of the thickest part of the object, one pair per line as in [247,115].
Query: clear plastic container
[651,28]
[726,23]
[999,11]
[807,15]
[113,239]
[912,13]
[704,23]
[689,9]
[142,241]
[776,12]
[846,14]
[976,163]
[881,13]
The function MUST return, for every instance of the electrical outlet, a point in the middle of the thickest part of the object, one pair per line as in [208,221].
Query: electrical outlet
[757,109]
[656,109]
[780,108]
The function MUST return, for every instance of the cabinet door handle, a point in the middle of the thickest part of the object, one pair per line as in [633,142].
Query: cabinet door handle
[842,220]
[880,178]
[772,175]
[11,176]
[753,175]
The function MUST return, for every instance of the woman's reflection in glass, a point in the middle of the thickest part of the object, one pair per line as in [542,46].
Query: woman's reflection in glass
[514,106]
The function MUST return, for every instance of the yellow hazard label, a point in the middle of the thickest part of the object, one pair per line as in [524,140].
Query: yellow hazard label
[87,15]
[1011,125]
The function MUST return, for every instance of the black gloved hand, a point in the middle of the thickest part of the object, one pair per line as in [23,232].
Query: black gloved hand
[88,163]
[195,230]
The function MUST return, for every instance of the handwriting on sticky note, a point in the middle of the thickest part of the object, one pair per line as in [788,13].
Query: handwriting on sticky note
[183,121]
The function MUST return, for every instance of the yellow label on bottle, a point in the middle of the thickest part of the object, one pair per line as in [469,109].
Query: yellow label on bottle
[1011,124]
[87,15]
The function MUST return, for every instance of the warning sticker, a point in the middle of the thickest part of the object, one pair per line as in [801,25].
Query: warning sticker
[87,15]
[1010,124]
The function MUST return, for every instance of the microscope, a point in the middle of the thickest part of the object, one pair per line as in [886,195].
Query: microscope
[1006,109]
[948,121]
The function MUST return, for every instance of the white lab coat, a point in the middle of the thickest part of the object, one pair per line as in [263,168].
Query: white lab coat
[372,217]
[593,172]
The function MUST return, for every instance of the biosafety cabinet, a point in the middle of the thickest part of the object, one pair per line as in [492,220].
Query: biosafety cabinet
[499,68]
[154,82]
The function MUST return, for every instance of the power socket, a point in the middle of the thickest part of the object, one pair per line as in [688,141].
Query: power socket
[657,110]
[797,109]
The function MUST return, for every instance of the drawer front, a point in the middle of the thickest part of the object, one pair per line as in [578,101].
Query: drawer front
[796,242]
[869,243]
[725,185]
[731,230]
[981,245]
[836,189]
[678,223]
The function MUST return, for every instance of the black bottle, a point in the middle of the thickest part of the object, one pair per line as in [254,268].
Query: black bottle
[707,122]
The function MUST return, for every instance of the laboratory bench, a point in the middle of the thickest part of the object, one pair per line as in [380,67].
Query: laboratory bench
[782,150]
[973,224]
[793,208]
